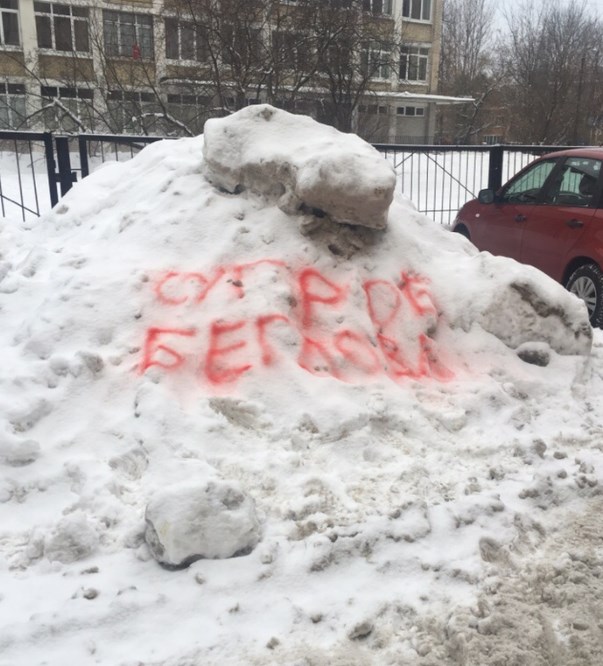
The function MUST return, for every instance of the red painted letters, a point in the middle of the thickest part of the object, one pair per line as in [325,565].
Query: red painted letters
[218,368]
[153,349]
[315,288]
[316,322]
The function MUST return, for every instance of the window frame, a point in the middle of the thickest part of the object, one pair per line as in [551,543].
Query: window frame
[192,109]
[290,50]
[83,98]
[5,12]
[140,27]
[200,48]
[407,56]
[367,61]
[372,7]
[404,111]
[74,20]
[120,104]
[231,37]
[13,92]
[409,6]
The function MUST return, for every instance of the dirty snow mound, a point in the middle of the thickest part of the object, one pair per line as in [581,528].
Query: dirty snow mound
[341,432]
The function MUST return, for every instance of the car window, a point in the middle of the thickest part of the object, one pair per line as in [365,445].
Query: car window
[526,188]
[575,184]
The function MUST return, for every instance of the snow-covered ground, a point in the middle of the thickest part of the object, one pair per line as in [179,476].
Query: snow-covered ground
[235,430]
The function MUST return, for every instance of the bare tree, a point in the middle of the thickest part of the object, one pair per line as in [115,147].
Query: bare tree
[136,73]
[355,49]
[552,55]
[467,67]
[318,56]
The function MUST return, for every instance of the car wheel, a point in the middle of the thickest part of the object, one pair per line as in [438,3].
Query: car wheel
[586,283]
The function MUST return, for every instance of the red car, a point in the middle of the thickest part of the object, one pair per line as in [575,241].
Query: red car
[549,215]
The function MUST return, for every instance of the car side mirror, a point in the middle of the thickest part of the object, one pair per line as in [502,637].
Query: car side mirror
[486,196]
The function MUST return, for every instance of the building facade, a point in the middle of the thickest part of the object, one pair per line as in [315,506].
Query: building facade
[165,66]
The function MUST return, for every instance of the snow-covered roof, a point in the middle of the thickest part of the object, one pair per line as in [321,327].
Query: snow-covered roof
[424,97]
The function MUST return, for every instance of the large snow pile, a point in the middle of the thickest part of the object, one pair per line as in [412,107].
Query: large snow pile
[236,429]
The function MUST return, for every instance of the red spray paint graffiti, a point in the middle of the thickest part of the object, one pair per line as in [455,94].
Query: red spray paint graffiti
[388,338]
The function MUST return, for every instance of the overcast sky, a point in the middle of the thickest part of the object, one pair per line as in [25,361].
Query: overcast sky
[503,7]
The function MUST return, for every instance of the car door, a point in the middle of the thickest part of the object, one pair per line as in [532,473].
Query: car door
[565,214]
[502,230]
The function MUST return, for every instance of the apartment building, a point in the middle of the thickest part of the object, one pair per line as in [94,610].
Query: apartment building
[165,66]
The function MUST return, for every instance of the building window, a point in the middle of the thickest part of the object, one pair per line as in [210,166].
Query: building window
[240,45]
[67,93]
[416,10]
[185,41]
[493,139]
[411,111]
[378,7]
[133,111]
[413,63]
[375,61]
[67,109]
[62,27]
[290,50]
[9,26]
[128,35]
[12,105]
[192,110]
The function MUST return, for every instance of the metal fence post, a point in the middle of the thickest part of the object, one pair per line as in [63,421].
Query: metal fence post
[50,169]
[83,147]
[66,176]
[495,168]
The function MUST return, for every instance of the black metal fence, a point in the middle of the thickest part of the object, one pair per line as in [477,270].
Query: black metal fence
[36,169]
[440,179]
[26,160]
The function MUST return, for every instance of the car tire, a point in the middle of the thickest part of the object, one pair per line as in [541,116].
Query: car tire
[586,283]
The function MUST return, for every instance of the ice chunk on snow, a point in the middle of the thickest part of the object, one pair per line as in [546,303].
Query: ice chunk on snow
[190,521]
[300,163]
[538,310]
[73,539]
